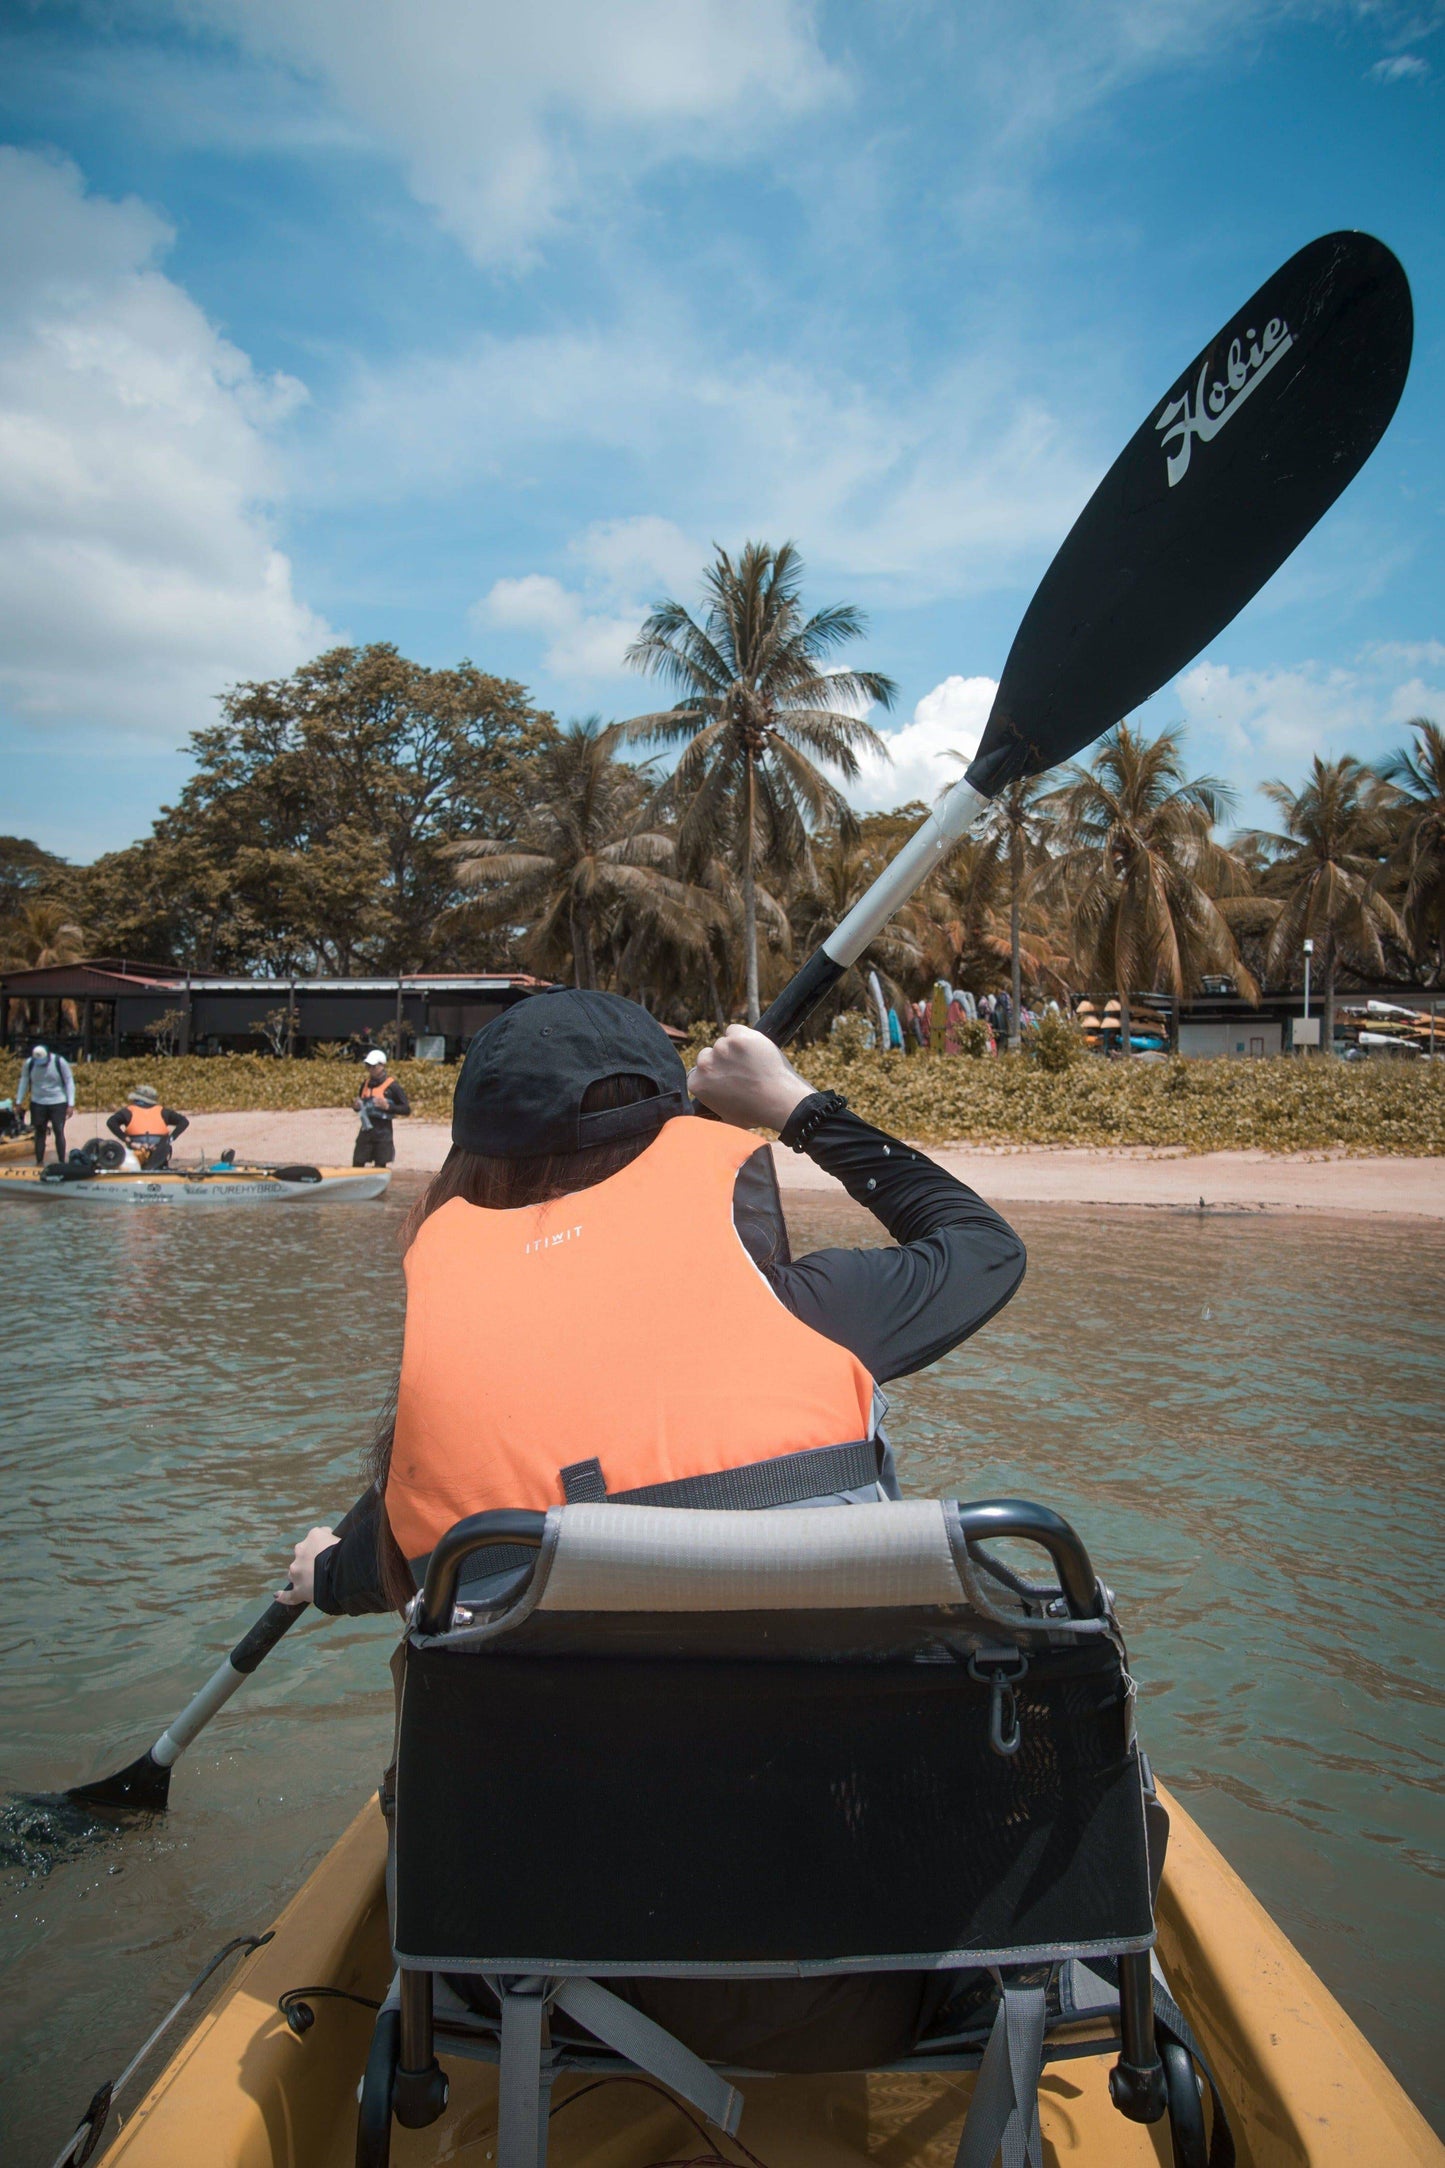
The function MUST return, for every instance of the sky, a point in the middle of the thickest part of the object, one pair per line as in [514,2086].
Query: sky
[475,327]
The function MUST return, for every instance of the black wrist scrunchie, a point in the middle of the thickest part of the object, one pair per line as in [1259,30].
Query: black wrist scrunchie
[797,1133]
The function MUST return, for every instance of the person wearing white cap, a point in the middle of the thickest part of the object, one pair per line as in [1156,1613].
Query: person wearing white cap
[379,1100]
[46,1082]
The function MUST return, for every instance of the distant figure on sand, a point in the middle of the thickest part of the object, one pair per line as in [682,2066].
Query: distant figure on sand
[148,1128]
[46,1082]
[380,1099]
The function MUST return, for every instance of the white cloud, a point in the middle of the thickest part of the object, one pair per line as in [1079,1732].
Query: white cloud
[1272,722]
[625,565]
[138,574]
[508,118]
[1399,68]
[947,721]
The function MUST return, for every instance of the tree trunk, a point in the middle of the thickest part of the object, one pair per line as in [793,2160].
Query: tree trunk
[1327,1027]
[719,1012]
[1124,1025]
[584,966]
[1015,1033]
[750,906]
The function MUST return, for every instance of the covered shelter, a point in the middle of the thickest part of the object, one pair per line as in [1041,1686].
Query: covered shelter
[107,1006]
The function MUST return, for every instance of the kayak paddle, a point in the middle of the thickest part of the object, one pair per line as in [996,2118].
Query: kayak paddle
[145,1784]
[1249,448]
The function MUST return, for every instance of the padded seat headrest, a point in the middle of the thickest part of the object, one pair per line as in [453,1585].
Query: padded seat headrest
[808,1558]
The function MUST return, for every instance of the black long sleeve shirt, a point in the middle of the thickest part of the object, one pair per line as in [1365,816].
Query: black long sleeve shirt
[956,1263]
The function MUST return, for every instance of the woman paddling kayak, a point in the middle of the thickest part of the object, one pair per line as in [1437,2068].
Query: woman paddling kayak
[601,1306]
[657,1344]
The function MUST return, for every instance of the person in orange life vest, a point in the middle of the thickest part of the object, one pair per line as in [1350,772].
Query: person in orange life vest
[581,1188]
[147,1127]
[379,1099]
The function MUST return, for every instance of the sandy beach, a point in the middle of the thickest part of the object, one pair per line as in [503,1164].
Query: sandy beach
[1164,1180]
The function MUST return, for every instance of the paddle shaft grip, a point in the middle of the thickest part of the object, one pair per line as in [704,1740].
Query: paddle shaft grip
[276,1620]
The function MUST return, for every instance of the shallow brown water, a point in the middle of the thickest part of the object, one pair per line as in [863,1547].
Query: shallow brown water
[1241,1415]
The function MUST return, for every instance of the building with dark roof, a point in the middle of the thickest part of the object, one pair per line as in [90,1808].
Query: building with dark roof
[110,1005]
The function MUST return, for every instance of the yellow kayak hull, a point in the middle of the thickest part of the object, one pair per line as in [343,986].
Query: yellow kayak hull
[1303,2084]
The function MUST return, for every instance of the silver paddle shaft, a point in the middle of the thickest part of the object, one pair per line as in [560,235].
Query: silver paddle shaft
[923,853]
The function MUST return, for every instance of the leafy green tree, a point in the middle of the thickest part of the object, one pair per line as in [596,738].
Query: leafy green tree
[582,861]
[1140,871]
[758,710]
[27,873]
[1325,873]
[1417,773]
[315,831]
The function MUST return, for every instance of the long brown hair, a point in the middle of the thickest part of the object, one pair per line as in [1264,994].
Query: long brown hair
[500,1185]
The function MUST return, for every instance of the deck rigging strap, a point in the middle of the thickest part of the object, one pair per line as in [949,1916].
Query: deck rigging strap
[1003,2115]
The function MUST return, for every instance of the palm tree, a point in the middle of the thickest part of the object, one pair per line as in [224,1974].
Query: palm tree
[964,923]
[1324,872]
[41,935]
[1418,774]
[840,867]
[582,859]
[1021,822]
[1140,870]
[757,710]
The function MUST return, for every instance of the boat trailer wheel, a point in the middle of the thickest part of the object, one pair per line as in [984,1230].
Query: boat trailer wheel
[1186,2106]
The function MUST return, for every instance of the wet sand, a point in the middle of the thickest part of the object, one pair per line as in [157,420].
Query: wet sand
[1032,1174]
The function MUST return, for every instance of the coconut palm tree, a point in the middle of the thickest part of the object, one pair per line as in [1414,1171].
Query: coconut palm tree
[840,867]
[1020,821]
[42,934]
[964,922]
[1418,773]
[1325,872]
[583,861]
[757,711]
[1140,871]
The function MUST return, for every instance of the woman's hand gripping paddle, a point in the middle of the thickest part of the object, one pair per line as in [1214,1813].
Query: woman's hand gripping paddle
[145,1784]
[1229,473]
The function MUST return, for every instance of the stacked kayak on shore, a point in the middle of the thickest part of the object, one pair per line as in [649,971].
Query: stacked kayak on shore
[1301,2083]
[194,1186]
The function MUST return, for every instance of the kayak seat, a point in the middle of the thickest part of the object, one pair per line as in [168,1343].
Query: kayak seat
[709,1793]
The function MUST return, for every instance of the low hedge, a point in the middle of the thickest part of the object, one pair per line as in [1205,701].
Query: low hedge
[1279,1105]
[1271,1105]
[237,1083]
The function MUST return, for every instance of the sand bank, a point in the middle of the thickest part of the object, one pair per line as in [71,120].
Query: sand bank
[1225,1181]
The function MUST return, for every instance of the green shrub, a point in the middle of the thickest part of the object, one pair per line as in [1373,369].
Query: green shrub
[1055,1043]
[850,1036]
[1279,1105]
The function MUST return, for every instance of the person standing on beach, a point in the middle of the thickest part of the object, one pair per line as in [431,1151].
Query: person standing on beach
[47,1084]
[381,1098]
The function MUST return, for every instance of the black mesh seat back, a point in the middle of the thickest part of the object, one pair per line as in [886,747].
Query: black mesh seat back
[626,1814]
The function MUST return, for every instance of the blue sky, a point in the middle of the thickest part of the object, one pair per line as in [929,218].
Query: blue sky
[472,327]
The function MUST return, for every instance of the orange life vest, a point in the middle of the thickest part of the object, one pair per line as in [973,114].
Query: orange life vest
[376,1094]
[624,1324]
[146,1122]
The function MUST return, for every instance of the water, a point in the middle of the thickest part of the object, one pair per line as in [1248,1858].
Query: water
[1239,1414]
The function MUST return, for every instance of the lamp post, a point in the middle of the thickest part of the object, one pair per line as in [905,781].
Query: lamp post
[1309,952]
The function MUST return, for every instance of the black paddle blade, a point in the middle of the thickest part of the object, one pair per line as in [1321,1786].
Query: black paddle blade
[1229,473]
[143,1786]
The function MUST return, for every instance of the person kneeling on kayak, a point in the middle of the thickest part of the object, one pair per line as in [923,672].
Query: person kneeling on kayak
[601,1303]
[380,1099]
[146,1127]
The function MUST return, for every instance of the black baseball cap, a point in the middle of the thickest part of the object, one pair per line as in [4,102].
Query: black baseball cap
[521,1087]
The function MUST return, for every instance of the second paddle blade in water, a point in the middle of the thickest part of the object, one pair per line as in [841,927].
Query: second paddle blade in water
[1231,470]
